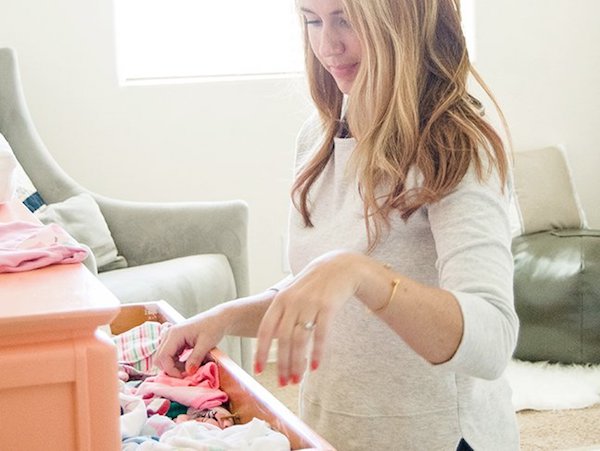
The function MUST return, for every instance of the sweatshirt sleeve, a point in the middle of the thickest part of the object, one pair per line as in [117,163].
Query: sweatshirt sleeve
[473,241]
[308,140]
[308,137]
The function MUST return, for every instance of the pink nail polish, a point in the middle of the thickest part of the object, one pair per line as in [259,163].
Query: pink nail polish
[314,365]
[295,378]
[192,369]
[258,368]
[283,381]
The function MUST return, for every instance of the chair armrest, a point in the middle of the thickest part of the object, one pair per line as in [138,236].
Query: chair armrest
[150,232]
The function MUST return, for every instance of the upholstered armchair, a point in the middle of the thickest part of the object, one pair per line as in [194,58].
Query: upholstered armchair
[193,254]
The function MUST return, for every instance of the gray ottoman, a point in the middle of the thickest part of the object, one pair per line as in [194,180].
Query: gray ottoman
[557,295]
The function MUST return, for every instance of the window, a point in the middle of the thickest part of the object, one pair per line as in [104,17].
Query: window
[159,39]
[190,39]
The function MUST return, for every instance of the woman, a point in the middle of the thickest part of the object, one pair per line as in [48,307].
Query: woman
[399,242]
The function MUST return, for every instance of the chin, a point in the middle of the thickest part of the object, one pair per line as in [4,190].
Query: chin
[344,86]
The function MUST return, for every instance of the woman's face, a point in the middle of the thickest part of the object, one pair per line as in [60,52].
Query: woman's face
[332,39]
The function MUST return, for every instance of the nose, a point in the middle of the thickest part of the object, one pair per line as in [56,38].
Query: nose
[331,43]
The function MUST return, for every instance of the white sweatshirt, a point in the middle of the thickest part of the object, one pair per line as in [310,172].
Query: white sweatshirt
[372,391]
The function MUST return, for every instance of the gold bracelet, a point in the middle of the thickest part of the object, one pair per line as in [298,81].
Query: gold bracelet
[395,284]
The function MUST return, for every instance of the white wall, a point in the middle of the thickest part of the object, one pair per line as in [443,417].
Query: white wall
[542,60]
[228,140]
[235,139]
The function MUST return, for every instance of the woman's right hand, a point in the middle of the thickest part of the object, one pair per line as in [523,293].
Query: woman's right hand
[201,333]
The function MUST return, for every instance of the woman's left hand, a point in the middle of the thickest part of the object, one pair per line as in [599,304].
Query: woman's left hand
[308,305]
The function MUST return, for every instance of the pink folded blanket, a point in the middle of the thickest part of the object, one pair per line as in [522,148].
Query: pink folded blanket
[25,246]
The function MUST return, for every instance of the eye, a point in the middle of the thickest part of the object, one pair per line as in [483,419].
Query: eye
[344,23]
[313,22]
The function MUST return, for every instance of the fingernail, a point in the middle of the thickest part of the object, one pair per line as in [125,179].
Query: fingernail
[295,378]
[258,368]
[192,369]
[282,381]
[314,365]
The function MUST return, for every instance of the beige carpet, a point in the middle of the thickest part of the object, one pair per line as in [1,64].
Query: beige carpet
[540,431]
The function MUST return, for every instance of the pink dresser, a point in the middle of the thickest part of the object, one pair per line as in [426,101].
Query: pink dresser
[58,385]
[58,376]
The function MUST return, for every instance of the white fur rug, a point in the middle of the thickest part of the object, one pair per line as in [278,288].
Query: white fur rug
[553,386]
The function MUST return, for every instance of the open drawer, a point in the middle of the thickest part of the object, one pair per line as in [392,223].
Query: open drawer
[247,398]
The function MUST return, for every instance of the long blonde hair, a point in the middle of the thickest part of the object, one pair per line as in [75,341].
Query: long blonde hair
[408,107]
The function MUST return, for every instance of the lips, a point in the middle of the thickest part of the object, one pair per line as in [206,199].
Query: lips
[343,70]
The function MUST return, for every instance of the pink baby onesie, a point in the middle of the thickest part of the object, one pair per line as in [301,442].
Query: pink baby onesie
[200,390]
[25,246]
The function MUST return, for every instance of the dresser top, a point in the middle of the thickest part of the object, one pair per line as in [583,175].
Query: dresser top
[55,299]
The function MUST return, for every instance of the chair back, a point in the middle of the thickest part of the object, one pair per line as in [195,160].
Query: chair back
[17,126]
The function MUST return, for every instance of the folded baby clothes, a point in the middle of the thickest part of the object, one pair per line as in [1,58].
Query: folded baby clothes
[217,416]
[199,390]
[157,425]
[152,429]
[136,349]
[25,246]
[133,415]
[191,435]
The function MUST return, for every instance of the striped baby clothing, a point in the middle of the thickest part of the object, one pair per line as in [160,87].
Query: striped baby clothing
[136,348]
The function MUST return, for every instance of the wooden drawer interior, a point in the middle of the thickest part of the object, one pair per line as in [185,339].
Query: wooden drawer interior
[247,398]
